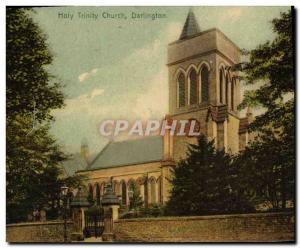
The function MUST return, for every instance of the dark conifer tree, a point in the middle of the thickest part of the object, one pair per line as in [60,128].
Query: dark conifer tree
[206,182]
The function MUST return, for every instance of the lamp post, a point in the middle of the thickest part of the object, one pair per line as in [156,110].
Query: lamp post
[64,196]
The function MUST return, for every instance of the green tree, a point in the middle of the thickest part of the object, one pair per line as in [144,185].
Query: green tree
[271,156]
[206,182]
[33,158]
[262,170]
[136,201]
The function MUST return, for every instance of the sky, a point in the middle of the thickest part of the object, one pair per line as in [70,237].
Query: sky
[114,68]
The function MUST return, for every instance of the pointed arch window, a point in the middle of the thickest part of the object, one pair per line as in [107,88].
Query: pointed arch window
[124,193]
[102,188]
[227,89]
[232,93]
[91,195]
[192,87]
[146,192]
[116,188]
[97,194]
[221,85]
[204,84]
[181,90]
[159,186]
[153,191]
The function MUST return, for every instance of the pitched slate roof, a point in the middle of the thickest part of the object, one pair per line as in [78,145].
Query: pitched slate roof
[75,163]
[128,152]
[190,27]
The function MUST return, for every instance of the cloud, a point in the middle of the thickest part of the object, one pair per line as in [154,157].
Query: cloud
[145,97]
[80,104]
[96,92]
[153,103]
[144,54]
[173,31]
[94,71]
[83,76]
[86,97]
[85,104]
[233,14]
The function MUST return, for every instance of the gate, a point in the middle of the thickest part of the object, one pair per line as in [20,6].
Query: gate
[94,221]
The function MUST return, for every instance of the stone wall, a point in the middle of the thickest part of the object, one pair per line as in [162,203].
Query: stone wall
[50,231]
[263,227]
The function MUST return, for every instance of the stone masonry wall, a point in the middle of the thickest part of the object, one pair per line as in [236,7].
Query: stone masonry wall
[263,227]
[41,232]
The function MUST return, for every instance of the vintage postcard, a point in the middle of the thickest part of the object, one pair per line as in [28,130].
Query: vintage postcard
[150,124]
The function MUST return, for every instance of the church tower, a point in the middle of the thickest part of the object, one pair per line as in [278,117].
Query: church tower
[203,87]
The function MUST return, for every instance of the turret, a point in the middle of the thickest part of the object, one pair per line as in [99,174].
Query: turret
[84,151]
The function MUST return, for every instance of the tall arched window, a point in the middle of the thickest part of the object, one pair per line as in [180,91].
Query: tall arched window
[124,193]
[159,186]
[146,193]
[232,93]
[116,188]
[91,197]
[153,191]
[227,89]
[221,85]
[181,90]
[97,194]
[192,87]
[204,84]
[102,188]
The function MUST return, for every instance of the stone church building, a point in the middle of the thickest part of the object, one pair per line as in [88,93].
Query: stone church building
[202,87]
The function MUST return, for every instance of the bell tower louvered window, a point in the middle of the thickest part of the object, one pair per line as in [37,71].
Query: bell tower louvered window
[227,89]
[232,94]
[204,84]
[181,90]
[221,85]
[193,87]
